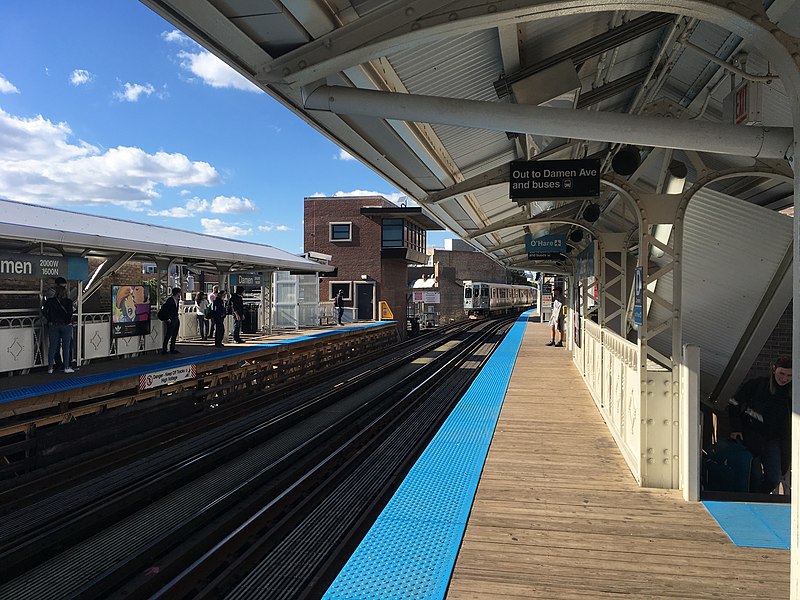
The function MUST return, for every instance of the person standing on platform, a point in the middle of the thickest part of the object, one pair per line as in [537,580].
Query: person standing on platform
[168,314]
[211,297]
[200,304]
[338,302]
[237,310]
[57,310]
[760,415]
[557,318]
[218,318]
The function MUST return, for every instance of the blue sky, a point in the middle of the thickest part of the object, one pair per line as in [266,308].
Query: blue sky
[105,108]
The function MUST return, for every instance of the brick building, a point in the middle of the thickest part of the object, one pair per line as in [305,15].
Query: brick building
[371,241]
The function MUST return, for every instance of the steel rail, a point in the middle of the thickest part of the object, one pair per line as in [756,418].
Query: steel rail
[419,392]
[25,541]
[353,383]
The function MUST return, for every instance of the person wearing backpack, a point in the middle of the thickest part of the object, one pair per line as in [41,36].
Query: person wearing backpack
[761,415]
[218,318]
[201,305]
[58,310]
[168,314]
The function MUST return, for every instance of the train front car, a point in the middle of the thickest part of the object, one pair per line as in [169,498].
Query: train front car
[476,299]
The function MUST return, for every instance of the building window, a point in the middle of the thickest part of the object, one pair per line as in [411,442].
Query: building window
[341,232]
[345,286]
[392,233]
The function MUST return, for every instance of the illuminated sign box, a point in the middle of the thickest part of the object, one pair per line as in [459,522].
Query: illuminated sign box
[536,179]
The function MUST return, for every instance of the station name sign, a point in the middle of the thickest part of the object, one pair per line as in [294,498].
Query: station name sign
[35,266]
[548,247]
[248,279]
[535,179]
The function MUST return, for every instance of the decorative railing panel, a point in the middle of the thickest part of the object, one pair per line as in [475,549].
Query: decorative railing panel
[611,374]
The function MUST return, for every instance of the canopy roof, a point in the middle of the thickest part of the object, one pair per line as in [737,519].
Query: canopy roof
[439,96]
[27,227]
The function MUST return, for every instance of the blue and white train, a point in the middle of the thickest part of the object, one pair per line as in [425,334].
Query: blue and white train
[491,299]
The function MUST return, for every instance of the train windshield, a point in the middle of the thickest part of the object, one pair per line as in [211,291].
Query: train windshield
[484,291]
[467,293]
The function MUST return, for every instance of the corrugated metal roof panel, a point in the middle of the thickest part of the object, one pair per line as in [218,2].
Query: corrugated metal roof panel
[462,67]
[718,301]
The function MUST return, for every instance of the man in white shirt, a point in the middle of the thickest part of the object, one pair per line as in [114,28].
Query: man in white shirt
[557,318]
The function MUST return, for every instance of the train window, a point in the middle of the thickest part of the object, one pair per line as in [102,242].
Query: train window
[467,293]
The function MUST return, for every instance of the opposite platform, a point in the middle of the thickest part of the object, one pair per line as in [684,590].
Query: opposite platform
[40,383]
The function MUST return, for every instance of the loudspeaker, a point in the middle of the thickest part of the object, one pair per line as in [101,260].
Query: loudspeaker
[591,213]
[626,161]
[576,235]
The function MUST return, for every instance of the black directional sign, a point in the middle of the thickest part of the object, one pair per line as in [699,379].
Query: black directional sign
[535,179]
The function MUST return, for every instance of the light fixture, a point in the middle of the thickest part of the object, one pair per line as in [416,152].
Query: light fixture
[364,277]
[676,177]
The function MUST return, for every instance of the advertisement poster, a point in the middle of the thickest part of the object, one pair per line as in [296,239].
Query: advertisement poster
[637,296]
[130,310]
[578,312]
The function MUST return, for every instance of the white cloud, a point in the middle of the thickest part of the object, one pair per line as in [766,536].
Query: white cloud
[176,36]
[191,209]
[185,192]
[212,71]
[222,229]
[273,227]
[344,155]
[133,91]
[42,165]
[6,87]
[204,65]
[196,206]
[80,76]
[396,197]
[232,205]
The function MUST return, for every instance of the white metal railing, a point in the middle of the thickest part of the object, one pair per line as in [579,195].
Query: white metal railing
[612,376]
[23,340]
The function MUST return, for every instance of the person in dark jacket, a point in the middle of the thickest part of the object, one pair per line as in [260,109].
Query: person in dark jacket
[168,313]
[218,317]
[237,310]
[58,310]
[338,302]
[760,415]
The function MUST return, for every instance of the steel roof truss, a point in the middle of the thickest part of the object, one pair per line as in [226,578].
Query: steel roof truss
[592,47]
[323,56]
[651,295]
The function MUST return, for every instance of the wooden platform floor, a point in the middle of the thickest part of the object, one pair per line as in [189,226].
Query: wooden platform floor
[558,515]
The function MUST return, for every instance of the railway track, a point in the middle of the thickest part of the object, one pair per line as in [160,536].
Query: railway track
[202,513]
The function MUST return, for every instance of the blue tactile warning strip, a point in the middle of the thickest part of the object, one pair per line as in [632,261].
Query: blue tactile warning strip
[84,381]
[755,525]
[411,548]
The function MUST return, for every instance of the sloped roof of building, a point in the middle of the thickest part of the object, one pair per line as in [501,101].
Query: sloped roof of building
[79,234]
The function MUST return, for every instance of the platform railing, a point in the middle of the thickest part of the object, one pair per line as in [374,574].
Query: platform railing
[611,374]
[23,342]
